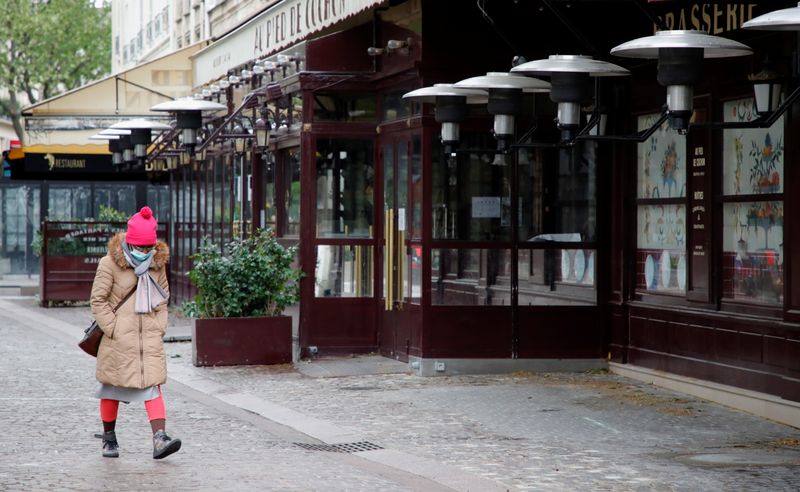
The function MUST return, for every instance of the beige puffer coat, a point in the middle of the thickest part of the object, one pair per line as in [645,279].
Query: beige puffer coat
[131,353]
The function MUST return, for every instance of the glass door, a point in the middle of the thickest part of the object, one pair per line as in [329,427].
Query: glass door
[395,329]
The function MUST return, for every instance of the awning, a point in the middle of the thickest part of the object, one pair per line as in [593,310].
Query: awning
[72,117]
[276,28]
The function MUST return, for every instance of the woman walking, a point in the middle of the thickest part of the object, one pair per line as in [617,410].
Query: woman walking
[131,365]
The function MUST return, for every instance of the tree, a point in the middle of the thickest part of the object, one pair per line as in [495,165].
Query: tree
[48,47]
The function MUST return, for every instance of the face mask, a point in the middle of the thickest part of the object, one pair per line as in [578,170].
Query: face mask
[139,256]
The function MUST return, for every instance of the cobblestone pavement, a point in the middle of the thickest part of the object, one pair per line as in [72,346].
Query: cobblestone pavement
[529,431]
[48,417]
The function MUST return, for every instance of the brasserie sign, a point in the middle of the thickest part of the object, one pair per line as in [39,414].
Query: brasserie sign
[275,29]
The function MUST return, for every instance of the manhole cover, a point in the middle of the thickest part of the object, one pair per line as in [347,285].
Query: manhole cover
[753,458]
[347,447]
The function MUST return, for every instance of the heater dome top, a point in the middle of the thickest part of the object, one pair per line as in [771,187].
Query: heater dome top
[779,20]
[570,64]
[505,80]
[141,124]
[189,105]
[429,94]
[713,46]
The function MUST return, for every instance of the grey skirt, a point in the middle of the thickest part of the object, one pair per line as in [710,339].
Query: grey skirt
[126,395]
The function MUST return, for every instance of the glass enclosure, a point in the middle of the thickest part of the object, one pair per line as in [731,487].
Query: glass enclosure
[345,184]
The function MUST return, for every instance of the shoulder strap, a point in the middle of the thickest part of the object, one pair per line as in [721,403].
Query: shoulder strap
[125,298]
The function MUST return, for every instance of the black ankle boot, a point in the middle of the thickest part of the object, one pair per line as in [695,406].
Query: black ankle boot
[110,445]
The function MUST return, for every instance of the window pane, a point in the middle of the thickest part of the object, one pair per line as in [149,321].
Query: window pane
[414,295]
[158,200]
[661,253]
[471,277]
[753,157]
[69,202]
[752,254]
[121,197]
[557,202]
[662,161]
[270,211]
[343,271]
[394,106]
[416,189]
[345,185]
[553,277]
[344,107]
[291,176]
[471,194]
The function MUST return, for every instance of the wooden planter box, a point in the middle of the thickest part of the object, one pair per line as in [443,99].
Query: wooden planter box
[242,341]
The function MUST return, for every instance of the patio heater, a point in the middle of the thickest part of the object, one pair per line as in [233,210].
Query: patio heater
[680,57]
[141,133]
[505,99]
[451,108]
[189,116]
[571,85]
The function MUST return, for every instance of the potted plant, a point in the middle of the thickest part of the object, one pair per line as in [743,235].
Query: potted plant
[242,292]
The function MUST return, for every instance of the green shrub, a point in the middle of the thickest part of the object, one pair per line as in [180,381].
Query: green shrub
[253,277]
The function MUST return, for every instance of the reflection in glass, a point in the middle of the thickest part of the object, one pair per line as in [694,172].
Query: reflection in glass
[752,256]
[414,295]
[344,107]
[20,217]
[343,271]
[471,277]
[558,202]
[471,196]
[270,205]
[291,180]
[120,197]
[158,200]
[395,107]
[416,188]
[69,202]
[557,277]
[345,182]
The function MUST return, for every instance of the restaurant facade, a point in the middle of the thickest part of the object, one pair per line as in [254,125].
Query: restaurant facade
[666,259]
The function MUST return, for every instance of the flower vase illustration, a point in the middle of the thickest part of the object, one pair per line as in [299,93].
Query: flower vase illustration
[764,175]
[669,168]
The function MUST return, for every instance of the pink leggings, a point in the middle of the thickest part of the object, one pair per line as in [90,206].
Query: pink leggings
[155,409]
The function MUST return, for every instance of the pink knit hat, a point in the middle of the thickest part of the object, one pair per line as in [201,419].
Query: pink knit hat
[142,228]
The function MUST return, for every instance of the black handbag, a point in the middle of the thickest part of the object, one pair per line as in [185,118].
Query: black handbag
[90,343]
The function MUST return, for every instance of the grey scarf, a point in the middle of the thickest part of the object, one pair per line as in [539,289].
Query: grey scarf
[148,293]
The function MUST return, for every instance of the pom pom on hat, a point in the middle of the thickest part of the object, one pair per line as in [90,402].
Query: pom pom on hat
[142,228]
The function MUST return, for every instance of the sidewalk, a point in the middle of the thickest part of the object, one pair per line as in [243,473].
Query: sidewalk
[519,431]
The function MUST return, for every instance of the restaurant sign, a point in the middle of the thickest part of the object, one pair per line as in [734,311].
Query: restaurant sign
[273,30]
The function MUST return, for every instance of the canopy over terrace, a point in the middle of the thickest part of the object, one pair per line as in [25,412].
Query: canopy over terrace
[72,117]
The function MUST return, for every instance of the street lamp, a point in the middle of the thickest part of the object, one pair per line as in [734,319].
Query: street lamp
[262,128]
[238,139]
[189,113]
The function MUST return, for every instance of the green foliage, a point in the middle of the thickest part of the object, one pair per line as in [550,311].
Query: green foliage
[254,277]
[49,47]
[75,246]
[111,214]
[37,245]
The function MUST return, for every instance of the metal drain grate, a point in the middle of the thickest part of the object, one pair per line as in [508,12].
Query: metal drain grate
[347,447]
